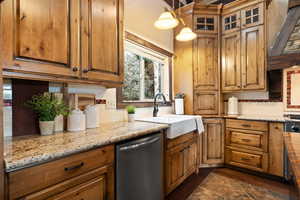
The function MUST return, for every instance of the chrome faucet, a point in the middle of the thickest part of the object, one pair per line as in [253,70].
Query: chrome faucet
[155,106]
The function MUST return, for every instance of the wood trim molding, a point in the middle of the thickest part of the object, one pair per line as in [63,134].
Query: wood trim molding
[283,61]
[140,41]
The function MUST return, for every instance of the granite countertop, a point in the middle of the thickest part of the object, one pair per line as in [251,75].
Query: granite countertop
[21,152]
[292,144]
[270,118]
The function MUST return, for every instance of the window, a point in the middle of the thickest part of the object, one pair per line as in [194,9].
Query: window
[146,73]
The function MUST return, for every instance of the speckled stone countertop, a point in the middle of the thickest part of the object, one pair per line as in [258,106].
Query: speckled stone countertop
[21,152]
[292,144]
[270,118]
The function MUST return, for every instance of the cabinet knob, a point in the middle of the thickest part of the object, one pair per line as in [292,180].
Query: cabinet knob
[75,69]
[85,71]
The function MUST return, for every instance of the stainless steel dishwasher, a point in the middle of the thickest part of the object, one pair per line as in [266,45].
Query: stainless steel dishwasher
[139,169]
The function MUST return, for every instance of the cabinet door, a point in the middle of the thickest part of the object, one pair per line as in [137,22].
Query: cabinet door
[231,22]
[231,62]
[175,172]
[206,68]
[91,190]
[206,103]
[206,24]
[41,36]
[190,155]
[252,16]
[102,40]
[253,58]
[213,142]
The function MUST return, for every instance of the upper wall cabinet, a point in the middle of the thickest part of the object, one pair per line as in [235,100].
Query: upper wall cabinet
[102,41]
[76,40]
[206,24]
[231,22]
[41,36]
[244,46]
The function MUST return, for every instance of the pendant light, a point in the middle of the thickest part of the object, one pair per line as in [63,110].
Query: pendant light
[186,33]
[167,20]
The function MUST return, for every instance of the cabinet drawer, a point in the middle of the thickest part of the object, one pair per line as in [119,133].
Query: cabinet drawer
[248,125]
[253,140]
[51,173]
[247,159]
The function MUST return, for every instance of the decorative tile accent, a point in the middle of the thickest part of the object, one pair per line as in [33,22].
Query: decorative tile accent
[289,82]
[220,187]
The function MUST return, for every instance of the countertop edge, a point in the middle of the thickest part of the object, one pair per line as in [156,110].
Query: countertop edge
[48,158]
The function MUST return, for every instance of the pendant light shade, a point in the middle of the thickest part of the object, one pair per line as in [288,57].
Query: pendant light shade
[166,21]
[186,34]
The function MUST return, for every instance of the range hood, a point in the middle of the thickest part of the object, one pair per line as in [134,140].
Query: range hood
[286,50]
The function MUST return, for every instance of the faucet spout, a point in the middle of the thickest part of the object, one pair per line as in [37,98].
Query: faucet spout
[155,105]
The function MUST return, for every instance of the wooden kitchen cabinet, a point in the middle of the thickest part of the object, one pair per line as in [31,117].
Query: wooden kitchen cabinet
[212,143]
[206,103]
[231,62]
[181,160]
[67,40]
[253,58]
[102,40]
[206,67]
[244,46]
[88,175]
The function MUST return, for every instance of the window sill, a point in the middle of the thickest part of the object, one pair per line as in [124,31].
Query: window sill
[122,105]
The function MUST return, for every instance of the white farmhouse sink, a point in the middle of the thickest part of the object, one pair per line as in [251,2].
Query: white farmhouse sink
[178,124]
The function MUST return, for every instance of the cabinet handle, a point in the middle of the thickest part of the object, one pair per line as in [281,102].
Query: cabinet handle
[85,71]
[75,69]
[74,167]
[246,140]
[245,159]
[246,125]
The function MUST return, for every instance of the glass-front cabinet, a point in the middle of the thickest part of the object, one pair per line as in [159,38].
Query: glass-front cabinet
[206,24]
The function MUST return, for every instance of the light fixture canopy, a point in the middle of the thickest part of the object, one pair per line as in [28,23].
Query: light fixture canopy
[186,34]
[166,21]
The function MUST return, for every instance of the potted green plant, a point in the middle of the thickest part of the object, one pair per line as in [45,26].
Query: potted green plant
[131,113]
[47,108]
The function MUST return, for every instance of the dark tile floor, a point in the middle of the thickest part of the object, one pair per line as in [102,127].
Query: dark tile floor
[227,184]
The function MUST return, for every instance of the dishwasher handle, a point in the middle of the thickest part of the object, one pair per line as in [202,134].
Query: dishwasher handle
[138,145]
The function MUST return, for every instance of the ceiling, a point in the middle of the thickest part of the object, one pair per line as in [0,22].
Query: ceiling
[176,2]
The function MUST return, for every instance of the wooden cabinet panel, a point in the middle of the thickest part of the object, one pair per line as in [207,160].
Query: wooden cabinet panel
[248,125]
[206,67]
[206,24]
[253,58]
[276,149]
[231,62]
[41,36]
[91,190]
[102,40]
[181,160]
[206,103]
[51,173]
[253,160]
[253,140]
[213,142]
[231,22]
[252,16]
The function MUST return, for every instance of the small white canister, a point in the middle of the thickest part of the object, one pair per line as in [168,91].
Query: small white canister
[76,121]
[179,106]
[92,116]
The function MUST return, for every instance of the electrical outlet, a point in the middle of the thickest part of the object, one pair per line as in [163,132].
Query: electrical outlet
[110,104]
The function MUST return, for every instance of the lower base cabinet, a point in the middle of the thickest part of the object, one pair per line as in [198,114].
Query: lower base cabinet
[211,143]
[180,160]
[84,176]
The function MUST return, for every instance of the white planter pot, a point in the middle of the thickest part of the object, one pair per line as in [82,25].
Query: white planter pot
[131,117]
[47,127]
